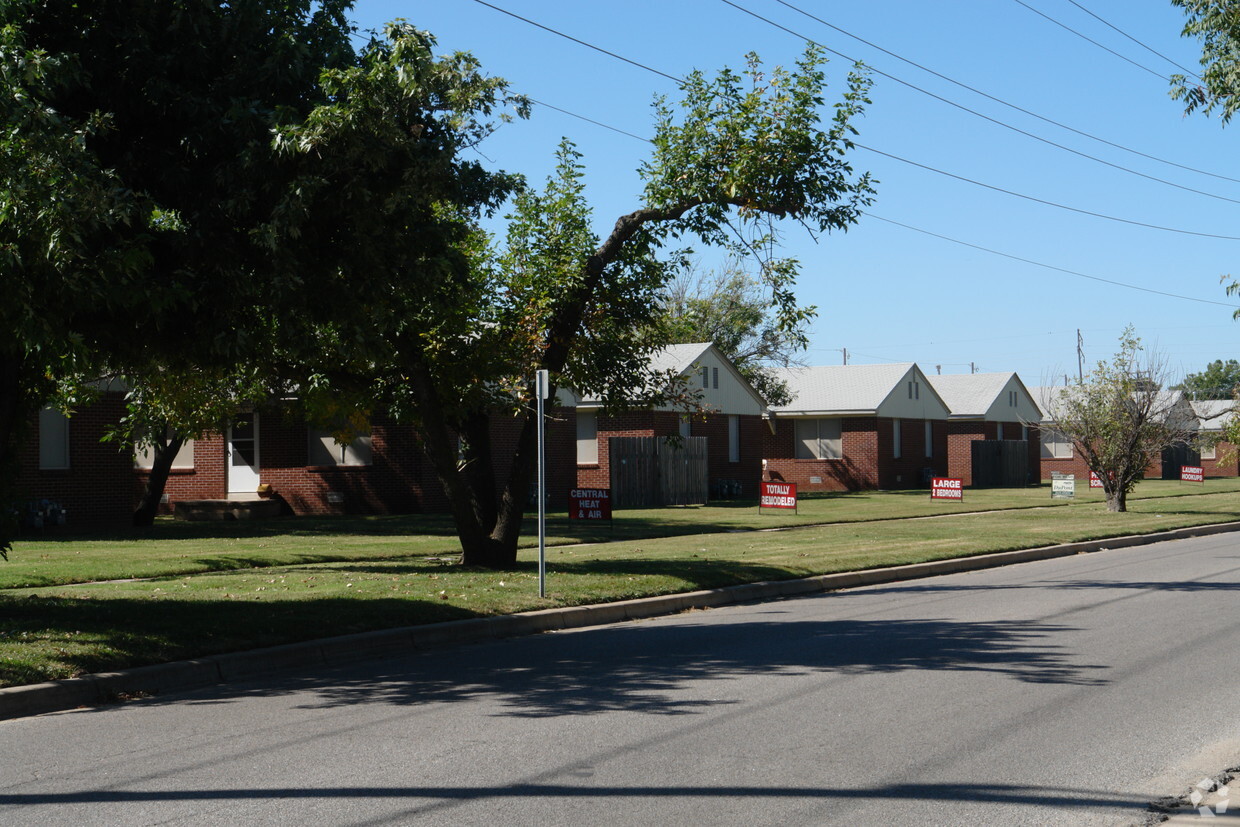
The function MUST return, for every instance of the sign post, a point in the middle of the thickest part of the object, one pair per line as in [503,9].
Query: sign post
[542,384]
[777,495]
[946,488]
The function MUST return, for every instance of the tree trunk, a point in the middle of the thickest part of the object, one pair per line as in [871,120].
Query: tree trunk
[13,416]
[165,452]
[1117,501]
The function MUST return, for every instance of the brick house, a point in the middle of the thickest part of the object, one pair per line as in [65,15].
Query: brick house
[733,423]
[304,470]
[856,427]
[1214,415]
[987,406]
[1060,455]
[64,461]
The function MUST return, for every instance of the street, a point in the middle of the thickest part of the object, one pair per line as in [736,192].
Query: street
[1069,691]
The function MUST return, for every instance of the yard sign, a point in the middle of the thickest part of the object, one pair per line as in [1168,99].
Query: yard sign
[946,488]
[1063,487]
[1095,481]
[1192,473]
[777,495]
[589,504]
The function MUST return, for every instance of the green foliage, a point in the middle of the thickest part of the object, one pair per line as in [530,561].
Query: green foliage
[1218,381]
[731,309]
[1217,26]
[1119,418]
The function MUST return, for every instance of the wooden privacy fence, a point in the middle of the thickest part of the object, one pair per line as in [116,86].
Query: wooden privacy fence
[648,471]
[1000,463]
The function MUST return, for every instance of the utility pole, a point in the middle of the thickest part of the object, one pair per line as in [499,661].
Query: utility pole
[845,350]
[1080,356]
[938,369]
[972,367]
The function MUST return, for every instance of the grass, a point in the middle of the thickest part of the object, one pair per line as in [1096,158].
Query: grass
[209,588]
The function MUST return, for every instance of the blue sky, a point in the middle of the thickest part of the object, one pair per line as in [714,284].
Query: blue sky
[885,292]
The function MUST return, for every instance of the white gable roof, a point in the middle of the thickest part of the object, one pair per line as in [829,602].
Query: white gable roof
[1171,406]
[874,390]
[987,396]
[1215,414]
[724,390]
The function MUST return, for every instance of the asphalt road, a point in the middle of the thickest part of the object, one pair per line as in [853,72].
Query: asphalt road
[1069,691]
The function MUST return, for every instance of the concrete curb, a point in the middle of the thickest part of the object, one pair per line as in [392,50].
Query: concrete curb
[110,687]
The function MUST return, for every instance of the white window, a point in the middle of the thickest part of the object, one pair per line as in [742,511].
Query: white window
[587,437]
[929,439]
[144,456]
[1024,432]
[1055,445]
[895,437]
[325,450]
[817,439]
[53,440]
[999,431]
[734,438]
[686,425]
[1209,446]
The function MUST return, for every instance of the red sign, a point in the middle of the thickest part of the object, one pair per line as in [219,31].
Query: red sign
[589,504]
[1192,473]
[778,495]
[946,488]
[1095,481]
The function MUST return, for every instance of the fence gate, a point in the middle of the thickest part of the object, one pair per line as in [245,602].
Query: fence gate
[1176,455]
[649,471]
[1000,463]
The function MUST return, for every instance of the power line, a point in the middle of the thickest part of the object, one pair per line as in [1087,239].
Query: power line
[973,112]
[580,42]
[1043,201]
[1090,40]
[1050,266]
[1149,49]
[1003,102]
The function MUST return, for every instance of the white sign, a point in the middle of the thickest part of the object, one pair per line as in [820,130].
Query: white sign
[1063,488]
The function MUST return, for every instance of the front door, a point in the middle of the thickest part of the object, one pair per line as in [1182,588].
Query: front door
[243,456]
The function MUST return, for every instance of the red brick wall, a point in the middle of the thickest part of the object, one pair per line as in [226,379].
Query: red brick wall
[399,480]
[1216,468]
[855,471]
[94,489]
[714,427]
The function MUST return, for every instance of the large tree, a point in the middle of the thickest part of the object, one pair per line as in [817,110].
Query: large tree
[1119,417]
[137,163]
[429,324]
[1219,380]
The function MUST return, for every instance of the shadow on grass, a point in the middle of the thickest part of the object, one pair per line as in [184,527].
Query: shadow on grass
[93,635]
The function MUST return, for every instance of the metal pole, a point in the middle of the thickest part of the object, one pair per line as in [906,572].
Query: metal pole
[541,382]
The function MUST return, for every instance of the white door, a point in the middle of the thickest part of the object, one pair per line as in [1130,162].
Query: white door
[242,445]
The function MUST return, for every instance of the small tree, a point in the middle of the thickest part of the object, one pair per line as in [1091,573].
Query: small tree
[1119,416]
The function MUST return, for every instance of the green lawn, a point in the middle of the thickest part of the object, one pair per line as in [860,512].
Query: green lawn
[220,587]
